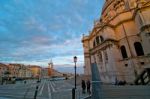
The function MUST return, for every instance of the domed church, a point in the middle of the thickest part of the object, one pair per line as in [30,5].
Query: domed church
[119,43]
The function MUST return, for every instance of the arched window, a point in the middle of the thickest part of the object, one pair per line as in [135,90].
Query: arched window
[97,39]
[101,38]
[140,20]
[139,49]
[124,52]
[94,44]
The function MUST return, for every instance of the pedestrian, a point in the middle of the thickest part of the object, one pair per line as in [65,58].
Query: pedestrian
[88,84]
[83,86]
[25,81]
[116,81]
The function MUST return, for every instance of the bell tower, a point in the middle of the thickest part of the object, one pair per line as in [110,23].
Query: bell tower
[50,68]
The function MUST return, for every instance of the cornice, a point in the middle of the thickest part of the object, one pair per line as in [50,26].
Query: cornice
[103,45]
[106,5]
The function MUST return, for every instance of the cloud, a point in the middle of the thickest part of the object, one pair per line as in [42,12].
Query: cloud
[33,32]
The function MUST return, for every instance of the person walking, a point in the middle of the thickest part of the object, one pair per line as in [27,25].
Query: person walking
[88,84]
[83,86]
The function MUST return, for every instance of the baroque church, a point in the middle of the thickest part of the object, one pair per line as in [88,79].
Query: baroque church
[119,42]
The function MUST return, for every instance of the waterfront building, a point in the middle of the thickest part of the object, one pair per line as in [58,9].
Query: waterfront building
[44,73]
[120,41]
[36,71]
[3,72]
[19,70]
[28,72]
[14,70]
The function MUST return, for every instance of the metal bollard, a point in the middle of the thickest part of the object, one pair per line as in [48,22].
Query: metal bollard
[36,91]
[73,93]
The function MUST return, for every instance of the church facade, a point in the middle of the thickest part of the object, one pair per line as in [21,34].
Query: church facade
[119,43]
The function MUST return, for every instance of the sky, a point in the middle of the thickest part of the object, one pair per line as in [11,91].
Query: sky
[36,31]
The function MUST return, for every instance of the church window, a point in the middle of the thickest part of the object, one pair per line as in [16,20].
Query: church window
[140,20]
[123,52]
[101,38]
[139,49]
[97,39]
[94,44]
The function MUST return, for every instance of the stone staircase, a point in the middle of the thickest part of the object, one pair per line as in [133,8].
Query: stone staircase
[143,78]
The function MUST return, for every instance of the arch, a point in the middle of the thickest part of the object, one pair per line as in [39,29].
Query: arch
[123,52]
[101,38]
[139,49]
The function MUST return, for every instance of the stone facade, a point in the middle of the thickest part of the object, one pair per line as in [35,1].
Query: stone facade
[19,70]
[44,73]
[36,71]
[120,41]
[3,70]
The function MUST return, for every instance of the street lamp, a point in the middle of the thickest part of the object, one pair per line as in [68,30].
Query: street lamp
[73,90]
[75,61]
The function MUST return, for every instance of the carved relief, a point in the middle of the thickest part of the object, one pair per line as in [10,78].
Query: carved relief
[106,56]
[132,3]
[119,6]
[141,3]
[99,57]
[111,14]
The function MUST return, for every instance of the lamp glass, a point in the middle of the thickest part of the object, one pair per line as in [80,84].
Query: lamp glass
[75,59]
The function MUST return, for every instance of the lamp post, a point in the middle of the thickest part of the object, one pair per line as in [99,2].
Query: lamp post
[73,90]
[75,67]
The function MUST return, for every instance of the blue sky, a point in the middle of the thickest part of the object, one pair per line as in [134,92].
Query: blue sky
[34,31]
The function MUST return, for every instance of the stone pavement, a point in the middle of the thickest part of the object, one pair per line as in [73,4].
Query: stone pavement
[80,95]
[63,90]
[124,92]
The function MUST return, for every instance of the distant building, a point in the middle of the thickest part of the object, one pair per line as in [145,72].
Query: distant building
[14,70]
[50,68]
[51,71]
[36,71]
[120,41]
[3,70]
[28,72]
[44,73]
[19,70]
